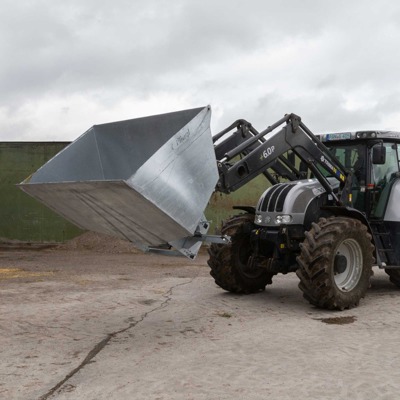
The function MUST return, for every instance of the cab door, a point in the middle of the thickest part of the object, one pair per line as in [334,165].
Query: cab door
[384,175]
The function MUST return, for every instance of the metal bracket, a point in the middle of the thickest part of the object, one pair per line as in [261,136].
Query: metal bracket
[294,122]
[214,239]
[189,246]
[164,251]
[189,252]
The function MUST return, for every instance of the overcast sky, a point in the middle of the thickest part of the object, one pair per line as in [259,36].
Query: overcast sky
[67,65]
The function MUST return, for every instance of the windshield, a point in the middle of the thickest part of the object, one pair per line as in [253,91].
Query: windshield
[352,156]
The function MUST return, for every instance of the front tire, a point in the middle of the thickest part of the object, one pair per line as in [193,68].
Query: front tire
[228,263]
[335,264]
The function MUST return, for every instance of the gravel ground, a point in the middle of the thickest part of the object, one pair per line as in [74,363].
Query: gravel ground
[93,319]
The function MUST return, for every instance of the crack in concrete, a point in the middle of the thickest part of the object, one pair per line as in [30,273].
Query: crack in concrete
[100,345]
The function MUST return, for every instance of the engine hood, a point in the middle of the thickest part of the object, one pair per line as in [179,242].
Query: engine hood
[286,203]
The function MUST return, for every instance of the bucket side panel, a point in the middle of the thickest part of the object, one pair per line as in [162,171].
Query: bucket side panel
[180,178]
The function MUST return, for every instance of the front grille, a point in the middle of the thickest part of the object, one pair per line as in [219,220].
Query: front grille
[275,197]
[282,197]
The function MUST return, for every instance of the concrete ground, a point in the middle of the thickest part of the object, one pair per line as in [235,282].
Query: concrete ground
[86,325]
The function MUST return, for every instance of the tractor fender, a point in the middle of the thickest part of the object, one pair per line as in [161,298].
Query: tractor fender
[248,209]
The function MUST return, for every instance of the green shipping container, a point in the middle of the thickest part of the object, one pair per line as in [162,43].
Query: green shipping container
[21,217]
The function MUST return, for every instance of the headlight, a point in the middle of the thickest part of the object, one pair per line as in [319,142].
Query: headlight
[283,219]
[259,219]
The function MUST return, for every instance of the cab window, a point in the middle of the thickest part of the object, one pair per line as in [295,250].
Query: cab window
[382,178]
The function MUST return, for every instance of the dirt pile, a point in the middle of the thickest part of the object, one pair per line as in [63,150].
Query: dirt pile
[99,243]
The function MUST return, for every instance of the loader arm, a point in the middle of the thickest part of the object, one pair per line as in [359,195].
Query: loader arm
[260,151]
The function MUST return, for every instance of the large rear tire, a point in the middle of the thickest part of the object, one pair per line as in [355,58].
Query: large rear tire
[228,263]
[335,264]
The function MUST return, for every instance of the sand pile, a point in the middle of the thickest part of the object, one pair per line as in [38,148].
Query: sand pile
[100,243]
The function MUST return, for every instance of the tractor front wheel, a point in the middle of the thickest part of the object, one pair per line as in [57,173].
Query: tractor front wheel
[229,263]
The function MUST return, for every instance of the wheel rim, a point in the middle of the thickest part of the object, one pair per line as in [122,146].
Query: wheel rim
[349,278]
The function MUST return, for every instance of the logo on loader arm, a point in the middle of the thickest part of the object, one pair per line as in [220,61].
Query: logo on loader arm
[267,152]
[337,173]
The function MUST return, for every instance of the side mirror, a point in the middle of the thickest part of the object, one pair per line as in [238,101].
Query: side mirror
[379,154]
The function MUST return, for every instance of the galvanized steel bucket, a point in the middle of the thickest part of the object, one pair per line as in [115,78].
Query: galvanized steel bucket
[147,180]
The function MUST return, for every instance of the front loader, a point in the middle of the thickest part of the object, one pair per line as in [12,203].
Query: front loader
[328,213]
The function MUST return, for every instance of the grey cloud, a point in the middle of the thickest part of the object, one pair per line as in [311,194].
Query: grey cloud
[110,51]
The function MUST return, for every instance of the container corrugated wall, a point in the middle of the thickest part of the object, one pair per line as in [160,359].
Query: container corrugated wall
[21,217]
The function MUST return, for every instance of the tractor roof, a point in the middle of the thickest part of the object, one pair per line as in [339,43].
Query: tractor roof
[357,135]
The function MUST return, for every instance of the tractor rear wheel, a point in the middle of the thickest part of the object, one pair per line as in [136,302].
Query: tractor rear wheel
[335,264]
[229,263]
